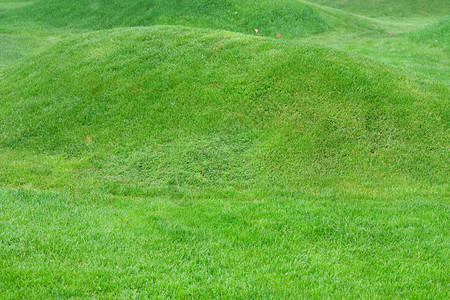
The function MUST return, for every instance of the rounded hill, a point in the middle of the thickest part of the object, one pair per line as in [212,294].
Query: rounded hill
[290,18]
[195,107]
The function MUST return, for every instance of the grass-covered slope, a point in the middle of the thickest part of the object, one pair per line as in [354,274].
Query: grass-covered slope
[291,17]
[437,34]
[390,8]
[172,106]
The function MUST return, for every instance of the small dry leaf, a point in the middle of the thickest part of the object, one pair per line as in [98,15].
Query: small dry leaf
[390,33]
[88,140]
[235,12]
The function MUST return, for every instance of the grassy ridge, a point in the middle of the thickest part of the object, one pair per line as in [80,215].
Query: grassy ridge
[390,8]
[437,34]
[24,24]
[178,106]
[291,17]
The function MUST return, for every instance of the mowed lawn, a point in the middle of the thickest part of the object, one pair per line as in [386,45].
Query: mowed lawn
[57,246]
[194,149]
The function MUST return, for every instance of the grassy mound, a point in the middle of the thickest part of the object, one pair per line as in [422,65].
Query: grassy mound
[435,34]
[23,24]
[290,17]
[177,107]
[390,8]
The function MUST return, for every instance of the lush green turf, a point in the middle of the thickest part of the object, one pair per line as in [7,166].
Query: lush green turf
[55,246]
[437,34]
[209,161]
[270,17]
[158,96]
[52,20]
[390,8]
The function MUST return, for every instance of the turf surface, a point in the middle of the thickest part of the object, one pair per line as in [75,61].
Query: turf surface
[166,149]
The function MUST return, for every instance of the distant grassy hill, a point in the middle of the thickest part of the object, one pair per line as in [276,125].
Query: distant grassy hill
[291,18]
[390,8]
[177,106]
[437,34]
[270,17]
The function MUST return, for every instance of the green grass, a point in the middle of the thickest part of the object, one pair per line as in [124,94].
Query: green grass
[163,149]
[292,17]
[436,34]
[424,61]
[6,5]
[54,20]
[390,8]
[221,248]
[178,98]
